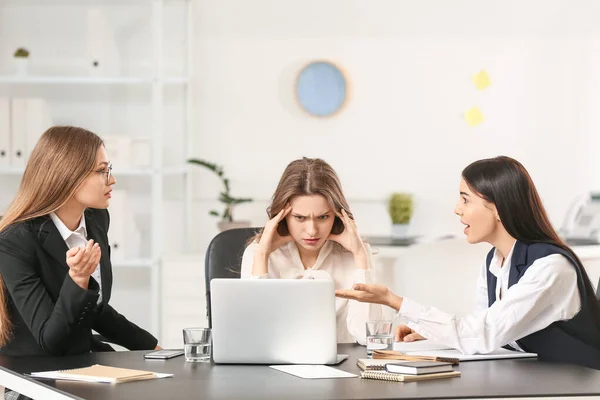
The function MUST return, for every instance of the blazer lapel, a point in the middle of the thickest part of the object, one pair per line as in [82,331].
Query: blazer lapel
[51,240]
[95,232]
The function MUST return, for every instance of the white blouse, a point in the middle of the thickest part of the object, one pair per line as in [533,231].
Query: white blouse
[332,263]
[546,293]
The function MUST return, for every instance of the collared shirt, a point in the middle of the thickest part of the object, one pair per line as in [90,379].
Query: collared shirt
[332,263]
[77,238]
[546,293]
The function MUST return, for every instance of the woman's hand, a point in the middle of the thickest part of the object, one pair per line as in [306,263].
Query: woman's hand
[404,334]
[82,262]
[270,239]
[371,293]
[349,238]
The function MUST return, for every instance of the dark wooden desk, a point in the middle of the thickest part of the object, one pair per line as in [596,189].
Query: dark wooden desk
[480,379]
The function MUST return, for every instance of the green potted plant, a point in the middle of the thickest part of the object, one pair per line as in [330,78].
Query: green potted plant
[21,57]
[400,208]
[226,217]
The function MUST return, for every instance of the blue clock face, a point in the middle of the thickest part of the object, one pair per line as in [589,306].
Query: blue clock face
[321,89]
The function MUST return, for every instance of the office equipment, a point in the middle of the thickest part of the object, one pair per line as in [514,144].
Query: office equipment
[100,373]
[582,223]
[418,367]
[313,371]
[273,321]
[389,376]
[164,354]
[430,348]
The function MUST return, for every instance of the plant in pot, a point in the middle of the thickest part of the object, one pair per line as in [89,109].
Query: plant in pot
[21,56]
[400,210]
[226,217]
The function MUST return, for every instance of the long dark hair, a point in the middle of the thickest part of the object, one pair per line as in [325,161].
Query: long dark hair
[506,183]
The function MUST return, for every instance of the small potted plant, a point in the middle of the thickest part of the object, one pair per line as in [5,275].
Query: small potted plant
[400,210]
[21,56]
[226,217]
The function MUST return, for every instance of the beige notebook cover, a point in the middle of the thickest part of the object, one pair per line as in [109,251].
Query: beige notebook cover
[101,373]
[389,376]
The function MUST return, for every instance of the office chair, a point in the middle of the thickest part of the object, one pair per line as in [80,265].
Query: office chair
[224,258]
[598,290]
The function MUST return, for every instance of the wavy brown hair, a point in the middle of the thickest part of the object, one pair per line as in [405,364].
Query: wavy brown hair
[60,162]
[307,177]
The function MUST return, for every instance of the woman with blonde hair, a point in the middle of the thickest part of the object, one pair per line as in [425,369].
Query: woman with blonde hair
[311,234]
[55,268]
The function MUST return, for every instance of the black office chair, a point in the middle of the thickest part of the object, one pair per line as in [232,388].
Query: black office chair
[224,258]
[598,290]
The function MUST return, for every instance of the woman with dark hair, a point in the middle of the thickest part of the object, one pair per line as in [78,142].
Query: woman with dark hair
[533,293]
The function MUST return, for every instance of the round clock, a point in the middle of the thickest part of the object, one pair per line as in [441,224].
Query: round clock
[321,89]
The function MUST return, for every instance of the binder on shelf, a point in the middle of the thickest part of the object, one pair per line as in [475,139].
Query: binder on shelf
[18,132]
[30,117]
[123,235]
[4,132]
[102,49]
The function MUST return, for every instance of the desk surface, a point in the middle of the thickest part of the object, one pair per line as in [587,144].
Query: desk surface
[500,378]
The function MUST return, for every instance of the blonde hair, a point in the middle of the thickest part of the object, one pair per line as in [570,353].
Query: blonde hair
[307,177]
[60,162]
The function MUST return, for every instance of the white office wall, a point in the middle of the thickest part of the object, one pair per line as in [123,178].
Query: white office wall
[409,65]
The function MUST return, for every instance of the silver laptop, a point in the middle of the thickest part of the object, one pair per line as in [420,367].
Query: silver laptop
[274,321]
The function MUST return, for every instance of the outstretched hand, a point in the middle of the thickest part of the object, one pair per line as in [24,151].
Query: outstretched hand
[371,293]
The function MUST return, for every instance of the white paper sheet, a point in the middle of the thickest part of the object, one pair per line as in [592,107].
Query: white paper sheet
[431,348]
[313,371]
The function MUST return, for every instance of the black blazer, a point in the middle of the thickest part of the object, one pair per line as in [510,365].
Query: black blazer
[51,314]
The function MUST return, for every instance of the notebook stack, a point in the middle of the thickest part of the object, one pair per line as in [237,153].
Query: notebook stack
[405,371]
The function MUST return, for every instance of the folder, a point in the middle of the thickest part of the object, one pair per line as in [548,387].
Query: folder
[4,132]
[30,118]
[100,373]
[18,132]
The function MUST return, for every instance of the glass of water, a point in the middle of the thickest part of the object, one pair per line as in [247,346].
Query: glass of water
[197,344]
[379,336]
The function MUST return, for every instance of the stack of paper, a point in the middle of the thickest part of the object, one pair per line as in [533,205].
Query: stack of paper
[434,349]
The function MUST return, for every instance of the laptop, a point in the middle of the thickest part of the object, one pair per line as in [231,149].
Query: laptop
[274,321]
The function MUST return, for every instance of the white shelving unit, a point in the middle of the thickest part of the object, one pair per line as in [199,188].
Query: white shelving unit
[157,172]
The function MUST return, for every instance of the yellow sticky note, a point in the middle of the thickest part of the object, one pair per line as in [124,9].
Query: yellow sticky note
[473,116]
[482,80]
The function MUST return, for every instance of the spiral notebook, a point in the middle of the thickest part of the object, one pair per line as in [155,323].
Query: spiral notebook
[390,376]
[100,373]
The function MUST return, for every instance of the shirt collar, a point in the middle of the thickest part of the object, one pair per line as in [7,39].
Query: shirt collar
[65,232]
[496,267]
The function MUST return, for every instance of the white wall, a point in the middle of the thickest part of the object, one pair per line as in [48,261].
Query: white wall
[409,64]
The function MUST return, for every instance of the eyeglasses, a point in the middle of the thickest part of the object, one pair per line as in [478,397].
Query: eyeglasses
[107,171]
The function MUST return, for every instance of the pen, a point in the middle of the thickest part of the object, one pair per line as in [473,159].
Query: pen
[396,355]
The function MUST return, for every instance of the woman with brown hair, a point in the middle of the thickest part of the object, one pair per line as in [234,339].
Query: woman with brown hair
[55,268]
[311,234]
[533,293]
